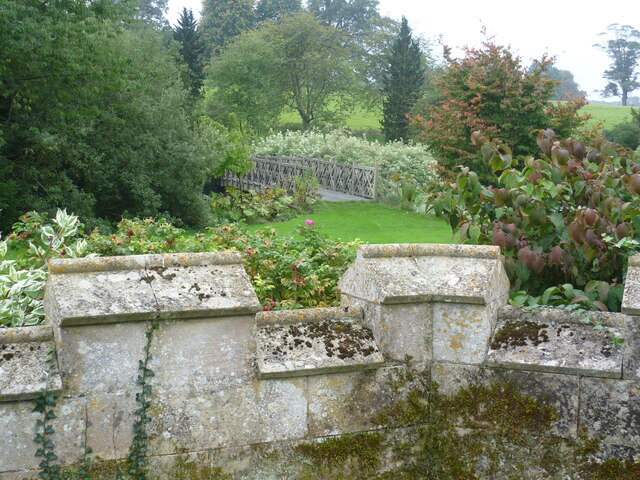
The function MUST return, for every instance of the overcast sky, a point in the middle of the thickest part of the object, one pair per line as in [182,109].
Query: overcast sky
[566,29]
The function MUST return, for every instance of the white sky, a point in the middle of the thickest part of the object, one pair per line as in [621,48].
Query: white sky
[566,29]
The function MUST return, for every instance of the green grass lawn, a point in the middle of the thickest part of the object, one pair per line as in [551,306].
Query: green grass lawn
[362,119]
[610,114]
[371,223]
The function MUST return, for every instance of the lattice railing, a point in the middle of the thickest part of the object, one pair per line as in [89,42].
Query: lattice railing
[339,177]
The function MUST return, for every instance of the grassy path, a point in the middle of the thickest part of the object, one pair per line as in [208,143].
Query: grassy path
[371,223]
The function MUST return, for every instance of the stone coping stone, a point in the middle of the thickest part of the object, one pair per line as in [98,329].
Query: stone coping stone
[148,287]
[308,315]
[326,346]
[558,341]
[38,333]
[631,296]
[28,364]
[416,273]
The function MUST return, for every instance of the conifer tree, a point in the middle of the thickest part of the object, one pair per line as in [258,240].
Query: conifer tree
[223,20]
[402,80]
[192,48]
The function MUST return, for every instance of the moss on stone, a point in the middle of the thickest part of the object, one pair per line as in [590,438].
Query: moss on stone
[348,457]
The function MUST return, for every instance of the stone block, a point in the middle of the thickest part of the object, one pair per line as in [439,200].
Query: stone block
[559,391]
[631,296]
[18,426]
[413,273]
[22,475]
[312,348]
[401,331]
[264,411]
[533,341]
[147,287]
[27,363]
[611,409]
[202,355]
[185,466]
[110,420]
[461,332]
[355,402]
[97,359]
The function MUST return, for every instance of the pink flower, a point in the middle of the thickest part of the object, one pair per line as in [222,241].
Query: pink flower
[249,251]
[308,222]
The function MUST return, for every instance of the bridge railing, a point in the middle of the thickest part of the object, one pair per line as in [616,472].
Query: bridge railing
[340,177]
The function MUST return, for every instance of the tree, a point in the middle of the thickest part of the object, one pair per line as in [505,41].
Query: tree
[152,12]
[488,90]
[192,48]
[276,9]
[402,80]
[222,20]
[567,88]
[93,117]
[242,80]
[297,62]
[624,51]
[353,16]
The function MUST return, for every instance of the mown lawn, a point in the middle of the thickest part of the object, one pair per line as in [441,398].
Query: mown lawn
[371,223]
[610,114]
[363,119]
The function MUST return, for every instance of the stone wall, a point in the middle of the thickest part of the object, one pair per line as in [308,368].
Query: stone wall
[240,393]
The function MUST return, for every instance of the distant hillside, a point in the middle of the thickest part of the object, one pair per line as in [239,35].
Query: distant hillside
[610,114]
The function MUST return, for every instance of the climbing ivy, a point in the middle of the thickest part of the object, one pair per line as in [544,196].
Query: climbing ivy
[138,451]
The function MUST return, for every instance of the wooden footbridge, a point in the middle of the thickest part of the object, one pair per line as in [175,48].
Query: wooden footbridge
[269,171]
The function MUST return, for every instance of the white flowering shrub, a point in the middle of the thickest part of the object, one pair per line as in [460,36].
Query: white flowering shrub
[394,158]
[22,282]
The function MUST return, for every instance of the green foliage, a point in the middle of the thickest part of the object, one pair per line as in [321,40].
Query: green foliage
[45,403]
[626,134]
[296,62]
[276,9]
[137,464]
[624,51]
[394,158]
[488,90]
[192,48]
[222,20]
[570,216]
[402,81]
[22,281]
[290,272]
[242,80]
[95,117]
[270,205]
[567,89]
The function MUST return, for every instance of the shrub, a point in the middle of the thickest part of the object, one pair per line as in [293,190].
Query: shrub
[286,272]
[394,158]
[274,204]
[489,90]
[570,216]
[626,134]
[22,281]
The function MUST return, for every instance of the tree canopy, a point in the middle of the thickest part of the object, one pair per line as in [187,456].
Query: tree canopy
[94,117]
[624,51]
[297,62]
[222,20]
[488,90]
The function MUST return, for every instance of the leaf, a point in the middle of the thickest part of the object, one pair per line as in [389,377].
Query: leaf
[474,233]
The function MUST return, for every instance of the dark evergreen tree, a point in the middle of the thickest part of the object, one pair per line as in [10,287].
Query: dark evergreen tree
[192,48]
[402,80]
[222,20]
[276,9]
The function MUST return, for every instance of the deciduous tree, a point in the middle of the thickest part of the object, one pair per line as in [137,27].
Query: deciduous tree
[402,78]
[624,51]
[276,9]
[222,20]
[488,90]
